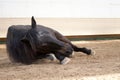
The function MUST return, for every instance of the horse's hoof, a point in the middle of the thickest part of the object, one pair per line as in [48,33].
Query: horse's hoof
[70,56]
[65,61]
[51,57]
[92,52]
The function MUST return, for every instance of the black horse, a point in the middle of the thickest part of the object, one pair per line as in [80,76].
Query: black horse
[27,43]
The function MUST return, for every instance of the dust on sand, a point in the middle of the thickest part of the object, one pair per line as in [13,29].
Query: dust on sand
[104,65]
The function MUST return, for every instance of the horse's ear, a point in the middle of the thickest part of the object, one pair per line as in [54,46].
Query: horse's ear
[33,22]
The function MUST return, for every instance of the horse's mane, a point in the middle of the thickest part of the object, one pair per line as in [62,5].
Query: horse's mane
[17,51]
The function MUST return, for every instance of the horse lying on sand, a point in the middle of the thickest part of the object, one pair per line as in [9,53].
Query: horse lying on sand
[27,43]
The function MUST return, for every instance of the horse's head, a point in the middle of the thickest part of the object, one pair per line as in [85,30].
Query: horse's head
[38,37]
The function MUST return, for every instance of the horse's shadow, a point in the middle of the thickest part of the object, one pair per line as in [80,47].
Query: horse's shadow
[6,63]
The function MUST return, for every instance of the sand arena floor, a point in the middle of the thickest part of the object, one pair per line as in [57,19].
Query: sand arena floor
[104,65]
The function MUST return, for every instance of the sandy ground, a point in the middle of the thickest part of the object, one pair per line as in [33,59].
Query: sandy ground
[105,65]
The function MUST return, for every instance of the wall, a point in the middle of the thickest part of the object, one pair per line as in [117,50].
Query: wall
[60,8]
[70,17]
[68,26]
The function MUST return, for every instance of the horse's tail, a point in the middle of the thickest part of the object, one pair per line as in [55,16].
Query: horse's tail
[17,51]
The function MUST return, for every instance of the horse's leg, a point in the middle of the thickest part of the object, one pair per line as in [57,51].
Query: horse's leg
[51,57]
[64,39]
[84,50]
[61,58]
[40,56]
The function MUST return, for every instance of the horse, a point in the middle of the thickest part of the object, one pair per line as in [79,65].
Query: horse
[28,43]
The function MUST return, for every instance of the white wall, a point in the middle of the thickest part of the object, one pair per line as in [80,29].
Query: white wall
[60,8]
[91,17]
[68,26]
